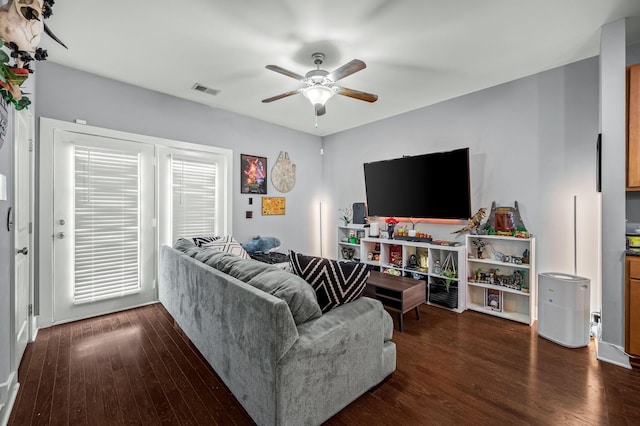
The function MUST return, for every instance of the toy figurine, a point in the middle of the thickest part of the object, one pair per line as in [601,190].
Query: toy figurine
[474,222]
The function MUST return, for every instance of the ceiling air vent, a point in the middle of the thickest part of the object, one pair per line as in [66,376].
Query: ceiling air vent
[204,89]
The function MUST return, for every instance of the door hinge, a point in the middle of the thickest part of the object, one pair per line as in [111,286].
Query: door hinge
[31,227]
[30,145]
[30,310]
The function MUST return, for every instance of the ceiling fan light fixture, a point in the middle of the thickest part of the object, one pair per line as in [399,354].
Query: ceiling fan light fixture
[318,95]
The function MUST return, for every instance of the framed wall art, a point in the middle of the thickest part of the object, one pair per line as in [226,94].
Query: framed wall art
[253,174]
[273,206]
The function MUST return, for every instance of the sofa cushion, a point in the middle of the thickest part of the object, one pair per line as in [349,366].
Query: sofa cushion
[334,282]
[284,285]
[187,246]
[227,244]
[292,289]
[239,268]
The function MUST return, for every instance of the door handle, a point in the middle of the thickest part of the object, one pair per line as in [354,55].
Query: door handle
[60,235]
[24,251]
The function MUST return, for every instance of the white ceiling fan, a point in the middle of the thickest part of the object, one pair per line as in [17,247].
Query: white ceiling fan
[320,85]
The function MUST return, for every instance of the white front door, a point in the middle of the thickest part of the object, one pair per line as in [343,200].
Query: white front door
[23,125]
[104,225]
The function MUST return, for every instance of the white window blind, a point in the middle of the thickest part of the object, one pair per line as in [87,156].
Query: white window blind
[193,197]
[107,223]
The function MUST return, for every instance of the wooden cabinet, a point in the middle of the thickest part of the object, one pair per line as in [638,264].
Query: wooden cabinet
[632,308]
[633,128]
[503,268]
[400,294]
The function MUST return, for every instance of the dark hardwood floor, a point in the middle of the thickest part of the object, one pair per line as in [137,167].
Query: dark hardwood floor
[134,367]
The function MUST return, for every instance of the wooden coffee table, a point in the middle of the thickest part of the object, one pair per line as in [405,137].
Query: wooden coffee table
[399,294]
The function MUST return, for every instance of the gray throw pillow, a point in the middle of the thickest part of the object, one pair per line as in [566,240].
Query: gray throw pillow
[292,289]
[334,282]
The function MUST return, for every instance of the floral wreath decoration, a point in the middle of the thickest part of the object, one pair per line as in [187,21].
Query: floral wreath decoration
[21,26]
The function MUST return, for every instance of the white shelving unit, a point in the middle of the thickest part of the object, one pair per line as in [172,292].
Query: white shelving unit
[397,255]
[438,293]
[349,251]
[503,267]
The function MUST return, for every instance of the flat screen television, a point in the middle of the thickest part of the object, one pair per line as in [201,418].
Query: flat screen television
[430,186]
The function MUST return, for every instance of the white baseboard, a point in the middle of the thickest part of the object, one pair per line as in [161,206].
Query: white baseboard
[34,328]
[46,323]
[8,393]
[613,354]
[5,388]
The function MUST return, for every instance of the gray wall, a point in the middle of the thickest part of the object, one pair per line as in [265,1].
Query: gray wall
[531,140]
[612,116]
[68,94]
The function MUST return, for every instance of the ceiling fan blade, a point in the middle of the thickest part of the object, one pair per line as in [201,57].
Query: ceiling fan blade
[363,96]
[346,70]
[284,72]
[320,110]
[280,96]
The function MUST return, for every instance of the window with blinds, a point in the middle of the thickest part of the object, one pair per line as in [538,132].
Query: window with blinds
[107,223]
[193,197]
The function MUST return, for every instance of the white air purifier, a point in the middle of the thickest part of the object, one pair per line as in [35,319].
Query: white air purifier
[563,309]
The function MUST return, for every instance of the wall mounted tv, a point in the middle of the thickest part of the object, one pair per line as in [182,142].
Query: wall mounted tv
[431,186]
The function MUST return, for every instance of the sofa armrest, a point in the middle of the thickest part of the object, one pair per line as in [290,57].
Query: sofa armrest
[336,358]
[240,330]
[366,312]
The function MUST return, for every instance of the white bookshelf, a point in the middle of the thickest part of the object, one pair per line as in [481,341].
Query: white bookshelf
[501,262]
[345,247]
[426,256]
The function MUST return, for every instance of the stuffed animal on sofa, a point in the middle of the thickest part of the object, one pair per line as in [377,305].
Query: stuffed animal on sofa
[260,244]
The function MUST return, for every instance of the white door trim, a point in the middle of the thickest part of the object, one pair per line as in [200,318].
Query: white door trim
[31,331]
[45,237]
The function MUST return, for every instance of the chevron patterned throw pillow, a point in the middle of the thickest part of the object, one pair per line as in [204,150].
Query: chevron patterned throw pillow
[334,282]
[228,244]
[201,241]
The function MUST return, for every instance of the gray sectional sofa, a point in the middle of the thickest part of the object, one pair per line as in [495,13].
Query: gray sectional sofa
[286,363]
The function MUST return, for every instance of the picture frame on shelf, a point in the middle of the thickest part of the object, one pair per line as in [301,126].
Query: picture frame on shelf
[493,300]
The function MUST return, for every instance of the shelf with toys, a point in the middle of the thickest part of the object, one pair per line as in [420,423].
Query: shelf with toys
[441,266]
[349,236]
[501,277]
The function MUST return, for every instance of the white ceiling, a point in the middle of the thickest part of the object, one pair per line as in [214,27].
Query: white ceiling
[418,52]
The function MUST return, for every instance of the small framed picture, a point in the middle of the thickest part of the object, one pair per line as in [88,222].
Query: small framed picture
[493,299]
[273,206]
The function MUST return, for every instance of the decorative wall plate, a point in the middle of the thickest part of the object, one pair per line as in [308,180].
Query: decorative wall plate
[283,174]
